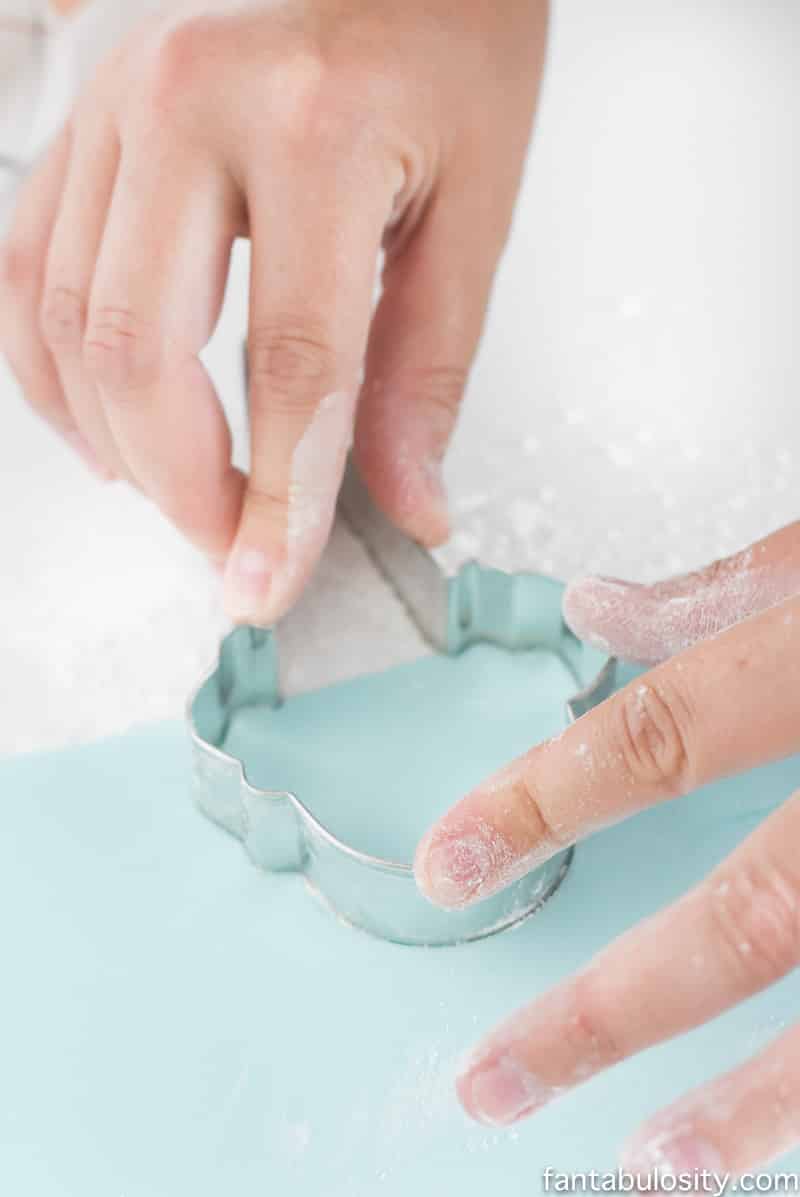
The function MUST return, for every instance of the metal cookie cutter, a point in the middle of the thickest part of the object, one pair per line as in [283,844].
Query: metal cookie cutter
[279,832]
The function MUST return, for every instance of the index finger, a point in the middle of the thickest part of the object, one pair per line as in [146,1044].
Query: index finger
[714,710]
[316,229]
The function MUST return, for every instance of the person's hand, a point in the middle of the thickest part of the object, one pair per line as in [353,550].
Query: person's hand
[721,705]
[325,131]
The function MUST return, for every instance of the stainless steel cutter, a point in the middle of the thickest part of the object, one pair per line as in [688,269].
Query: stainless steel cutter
[280,832]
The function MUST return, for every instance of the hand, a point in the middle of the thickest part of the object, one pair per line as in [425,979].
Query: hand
[722,705]
[325,131]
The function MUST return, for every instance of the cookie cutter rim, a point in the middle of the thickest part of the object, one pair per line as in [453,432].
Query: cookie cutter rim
[279,832]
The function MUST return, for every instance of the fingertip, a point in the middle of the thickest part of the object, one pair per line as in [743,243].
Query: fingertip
[669,1149]
[420,862]
[464,859]
[410,490]
[430,513]
[576,593]
[430,523]
[497,1089]
[427,526]
[463,1083]
[464,1095]
[598,611]
[262,582]
[589,598]
[437,873]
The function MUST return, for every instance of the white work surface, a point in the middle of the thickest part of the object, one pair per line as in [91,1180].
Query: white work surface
[632,410]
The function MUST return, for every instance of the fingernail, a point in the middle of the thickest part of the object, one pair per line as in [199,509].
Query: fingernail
[247,584]
[453,868]
[89,457]
[501,1092]
[670,1152]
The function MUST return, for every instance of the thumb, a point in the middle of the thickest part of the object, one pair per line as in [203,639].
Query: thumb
[647,624]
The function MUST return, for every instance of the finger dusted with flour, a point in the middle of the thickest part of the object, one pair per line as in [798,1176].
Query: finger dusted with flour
[739,1121]
[317,468]
[705,714]
[650,623]
[310,307]
[728,938]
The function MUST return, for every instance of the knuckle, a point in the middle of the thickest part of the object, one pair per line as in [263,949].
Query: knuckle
[178,62]
[325,100]
[441,389]
[593,1030]
[290,360]
[541,829]
[62,318]
[302,83]
[650,727]
[119,350]
[755,912]
[269,508]
[20,268]
[181,48]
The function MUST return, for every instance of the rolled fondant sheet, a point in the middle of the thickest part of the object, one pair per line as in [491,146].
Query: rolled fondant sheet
[174,1022]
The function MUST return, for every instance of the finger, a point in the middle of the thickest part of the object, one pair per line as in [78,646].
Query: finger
[712,711]
[311,296]
[21,283]
[423,339]
[154,302]
[649,623]
[730,937]
[74,246]
[739,1122]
